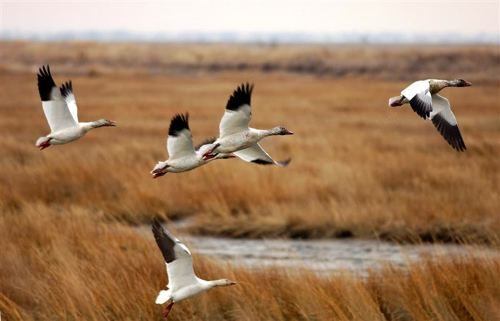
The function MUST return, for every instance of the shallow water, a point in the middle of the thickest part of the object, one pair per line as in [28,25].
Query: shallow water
[323,255]
[332,255]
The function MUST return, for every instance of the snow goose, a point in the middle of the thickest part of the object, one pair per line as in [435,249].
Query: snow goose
[182,154]
[182,281]
[235,135]
[423,98]
[59,107]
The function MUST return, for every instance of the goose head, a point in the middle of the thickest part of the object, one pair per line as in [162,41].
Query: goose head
[280,131]
[223,282]
[459,83]
[160,169]
[103,123]
[43,142]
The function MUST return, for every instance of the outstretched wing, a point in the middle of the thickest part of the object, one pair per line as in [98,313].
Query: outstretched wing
[177,258]
[69,97]
[238,112]
[445,122]
[420,98]
[256,154]
[54,107]
[179,140]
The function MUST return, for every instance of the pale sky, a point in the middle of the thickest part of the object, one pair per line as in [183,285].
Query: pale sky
[260,16]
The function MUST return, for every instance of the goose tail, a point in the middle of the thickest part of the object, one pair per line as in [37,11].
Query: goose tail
[163,296]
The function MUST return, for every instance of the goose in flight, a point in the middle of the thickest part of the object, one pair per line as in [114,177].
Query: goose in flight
[423,98]
[235,135]
[59,107]
[182,281]
[183,156]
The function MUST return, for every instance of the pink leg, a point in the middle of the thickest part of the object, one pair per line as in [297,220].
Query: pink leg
[206,155]
[167,309]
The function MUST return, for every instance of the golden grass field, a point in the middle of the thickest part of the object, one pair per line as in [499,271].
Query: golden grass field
[66,266]
[359,169]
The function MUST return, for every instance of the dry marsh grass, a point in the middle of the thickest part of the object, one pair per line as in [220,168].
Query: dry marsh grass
[65,266]
[359,168]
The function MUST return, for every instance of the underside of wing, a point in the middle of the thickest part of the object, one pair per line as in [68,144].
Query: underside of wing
[179,141]
[256,154]
[177,257]
[450,132]
[238,111]
[419,97]
[54,107]
[69,97]
[422,104]
[446,123]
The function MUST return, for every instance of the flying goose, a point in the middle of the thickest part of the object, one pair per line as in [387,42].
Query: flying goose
[423,98]
[235,135]
[59,107]
[182,154]
[182,281]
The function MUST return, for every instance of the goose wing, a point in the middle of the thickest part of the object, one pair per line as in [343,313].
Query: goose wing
[445,122]
[238,112]
[256,154]
[54,106]
[419,96]
[179,141]
[177,258]
[69,98]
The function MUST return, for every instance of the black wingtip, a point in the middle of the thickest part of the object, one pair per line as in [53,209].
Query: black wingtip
[451,133]
[420,107]
[241,96]
[178,123]
[156,225]
[66,89]
[164,240]
[284,163]
[262,162]
[45,82]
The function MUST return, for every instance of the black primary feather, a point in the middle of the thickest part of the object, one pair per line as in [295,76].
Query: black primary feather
[449,132]
[45,83]
[283,163]
[207,141]
[178,123]
[420,106]
[241,96]
[262,162]
[67,89]
[164,241]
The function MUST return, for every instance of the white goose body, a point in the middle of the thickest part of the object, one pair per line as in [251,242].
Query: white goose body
[240,140]
[183,156]
[60,109]
[182,280]
[235,135]
[424,99]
